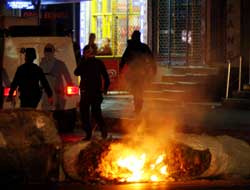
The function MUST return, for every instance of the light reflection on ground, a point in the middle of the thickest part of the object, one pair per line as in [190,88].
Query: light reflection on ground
[190,185]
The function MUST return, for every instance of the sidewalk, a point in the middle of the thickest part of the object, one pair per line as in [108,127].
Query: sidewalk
[206,117]
[200,118]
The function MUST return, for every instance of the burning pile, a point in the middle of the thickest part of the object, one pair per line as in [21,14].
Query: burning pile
[116,161]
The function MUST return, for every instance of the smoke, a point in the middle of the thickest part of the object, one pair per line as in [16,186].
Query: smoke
[160,120]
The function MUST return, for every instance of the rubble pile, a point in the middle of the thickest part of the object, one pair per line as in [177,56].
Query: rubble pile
[29,146]
[185,162]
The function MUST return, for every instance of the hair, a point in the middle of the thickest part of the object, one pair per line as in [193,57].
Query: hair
[49,48]
[30,54]
[136,36]
[91,35]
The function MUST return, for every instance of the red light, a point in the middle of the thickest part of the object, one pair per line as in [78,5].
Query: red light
[72,90]
[6,92]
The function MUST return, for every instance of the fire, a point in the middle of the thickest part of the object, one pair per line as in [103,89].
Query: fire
[128,164]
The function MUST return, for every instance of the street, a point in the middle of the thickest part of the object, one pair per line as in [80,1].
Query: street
[188,185]
[192,119]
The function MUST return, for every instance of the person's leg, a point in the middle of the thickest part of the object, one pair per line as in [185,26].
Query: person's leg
[85,117]
[28,103]
[138,103]
[137,92]
[97,114]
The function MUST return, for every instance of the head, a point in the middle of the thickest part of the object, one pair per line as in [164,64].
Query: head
[30,54]
[88,52]
[49,50]
[136,36]
[92,38]
[106,42]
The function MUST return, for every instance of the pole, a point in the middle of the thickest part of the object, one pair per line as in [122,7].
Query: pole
[37,5]
[169,32]
[1,66]
[127,20]
[187,32]
[240,64]
[249,70]
[228,78]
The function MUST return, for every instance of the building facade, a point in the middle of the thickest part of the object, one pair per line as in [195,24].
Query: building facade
[180,32]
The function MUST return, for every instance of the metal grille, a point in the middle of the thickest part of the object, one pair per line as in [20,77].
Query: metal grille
[121,34]
[164,26]
[196,53]
[180,31]
[127,20]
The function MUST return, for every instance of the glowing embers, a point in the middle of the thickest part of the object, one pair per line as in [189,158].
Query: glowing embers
[127,164]
[140,161]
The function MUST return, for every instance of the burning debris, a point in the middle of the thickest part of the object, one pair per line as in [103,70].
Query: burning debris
[29,141]
[116,161]
[186,157]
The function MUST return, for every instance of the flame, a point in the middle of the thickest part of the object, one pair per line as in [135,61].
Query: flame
[128,164]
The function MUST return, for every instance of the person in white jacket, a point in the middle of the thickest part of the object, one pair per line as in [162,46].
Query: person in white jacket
[55,71]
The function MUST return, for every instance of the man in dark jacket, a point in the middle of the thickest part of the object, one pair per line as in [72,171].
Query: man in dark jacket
[141,68]
[92,71]
[27,78]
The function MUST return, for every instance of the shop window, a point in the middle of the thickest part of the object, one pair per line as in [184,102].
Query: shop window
[113,19]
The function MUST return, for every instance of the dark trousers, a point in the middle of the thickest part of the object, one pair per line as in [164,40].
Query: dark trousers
[138,102]
[137,90]
[29,102]
[92,102]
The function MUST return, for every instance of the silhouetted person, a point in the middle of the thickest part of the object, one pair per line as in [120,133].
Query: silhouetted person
[141,68]
[92,71]
[27,78]
[55,71]
[91,44]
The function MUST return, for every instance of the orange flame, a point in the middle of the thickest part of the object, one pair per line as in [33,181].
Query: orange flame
[127,164]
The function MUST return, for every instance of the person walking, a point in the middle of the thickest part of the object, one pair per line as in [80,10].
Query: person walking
[27,78]
[92,71]
[56,71]
[141,68]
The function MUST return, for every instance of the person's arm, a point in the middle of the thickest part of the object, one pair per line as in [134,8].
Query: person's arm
[66,74]
[45,84]
[105,76]
[77,71]
[123,59]
[14,84]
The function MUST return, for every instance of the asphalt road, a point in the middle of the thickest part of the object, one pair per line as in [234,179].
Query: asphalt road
[188,185]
